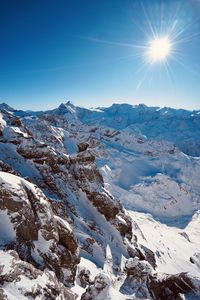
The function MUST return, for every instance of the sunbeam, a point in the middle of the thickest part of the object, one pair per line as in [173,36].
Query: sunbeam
[162,42]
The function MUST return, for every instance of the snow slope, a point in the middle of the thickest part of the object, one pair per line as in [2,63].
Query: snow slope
[179,126]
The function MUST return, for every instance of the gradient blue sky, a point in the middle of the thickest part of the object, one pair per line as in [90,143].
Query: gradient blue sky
[86,51]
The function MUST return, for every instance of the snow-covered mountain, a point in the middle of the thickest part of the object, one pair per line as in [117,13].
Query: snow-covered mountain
[180,126]
[100,203]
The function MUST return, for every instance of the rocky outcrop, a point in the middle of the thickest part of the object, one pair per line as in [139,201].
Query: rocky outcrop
[83,277]
[99,289]
[172,287]
[6,168]
[82,147]
[195,259]
[138,273]
[23,280]
[29,226]
[144,282]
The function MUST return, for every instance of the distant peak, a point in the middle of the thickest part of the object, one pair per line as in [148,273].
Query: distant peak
[143,106]
[121,105]
[66,108]
[4,106]
[69,103]
[62,106]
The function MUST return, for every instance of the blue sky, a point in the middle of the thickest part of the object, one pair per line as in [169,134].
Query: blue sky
[93,53]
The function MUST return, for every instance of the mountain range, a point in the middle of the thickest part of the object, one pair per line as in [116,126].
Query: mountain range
[100,203]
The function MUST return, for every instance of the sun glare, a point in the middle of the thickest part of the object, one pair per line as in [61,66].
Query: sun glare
[164,37]
[159,49]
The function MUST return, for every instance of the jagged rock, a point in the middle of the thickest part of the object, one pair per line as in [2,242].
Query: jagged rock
[6,168]
[105,205]
[16,122]
[138,273]
[99,289]
[171,286]
[144,282]
[82,147]
[30,227]
[23,280]
[148,255]
[195,259]
[83,277]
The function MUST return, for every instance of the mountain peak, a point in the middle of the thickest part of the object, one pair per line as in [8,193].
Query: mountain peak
[69,103]
[4,106]
[66,108]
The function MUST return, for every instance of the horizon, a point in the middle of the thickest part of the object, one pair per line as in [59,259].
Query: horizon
[112,51]
[97,107]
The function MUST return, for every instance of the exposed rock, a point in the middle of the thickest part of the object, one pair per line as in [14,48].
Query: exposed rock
[83,277]
[195,259]
[22,279]
[16,122]
[148,255]
[99,289]
[171,286]
[6,168]
[38,236]
[136,282]
[144,282]
[82,147]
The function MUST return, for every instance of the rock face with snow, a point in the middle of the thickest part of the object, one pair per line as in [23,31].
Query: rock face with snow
[177,126]
[75,180]
[21,280]
[29,227]
[99,289]
[73,185]
[137,280]
[143,282]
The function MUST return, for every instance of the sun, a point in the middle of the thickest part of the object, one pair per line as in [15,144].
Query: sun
[159,49]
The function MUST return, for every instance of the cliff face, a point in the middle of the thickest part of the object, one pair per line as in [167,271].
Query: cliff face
[29,226]
[58,213]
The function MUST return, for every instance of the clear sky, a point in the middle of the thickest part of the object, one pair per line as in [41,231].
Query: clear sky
[95,52]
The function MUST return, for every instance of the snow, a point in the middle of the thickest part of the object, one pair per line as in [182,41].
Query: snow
[111,294]
[70,145]
[151,176]
[96,109]
[173,249]
[10,156]
[94,271]
[10,180]
[2,121]
[7,232]
[153,122]
[14,183]
[23,284]
[12,132]
[6,261]
[42,247]
[63,222]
